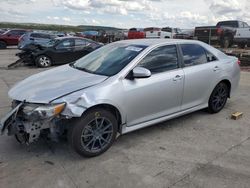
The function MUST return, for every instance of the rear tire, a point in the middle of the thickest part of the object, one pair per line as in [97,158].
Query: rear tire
[93,133]
[3,45]
[218,98]
[43,61]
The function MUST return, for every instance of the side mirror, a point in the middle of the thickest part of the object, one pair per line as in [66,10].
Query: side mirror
[140,72]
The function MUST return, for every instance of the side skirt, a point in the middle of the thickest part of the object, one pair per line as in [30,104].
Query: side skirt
[126,129]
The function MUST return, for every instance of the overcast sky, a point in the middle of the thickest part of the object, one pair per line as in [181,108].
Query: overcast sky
[125,13]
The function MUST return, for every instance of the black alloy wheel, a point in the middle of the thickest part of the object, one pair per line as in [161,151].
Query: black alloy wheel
[94,133]
[218,98]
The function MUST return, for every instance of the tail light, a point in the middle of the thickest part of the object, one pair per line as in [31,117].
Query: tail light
[219,31]
[238,62]
[159,34]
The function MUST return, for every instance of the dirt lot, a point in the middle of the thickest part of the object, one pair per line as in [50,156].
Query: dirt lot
[197,150]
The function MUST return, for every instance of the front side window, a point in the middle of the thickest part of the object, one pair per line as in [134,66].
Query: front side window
[161,59]
[110,59]
[193,54]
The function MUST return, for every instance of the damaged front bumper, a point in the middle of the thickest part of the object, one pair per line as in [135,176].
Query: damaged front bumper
[9,119]
[27,126]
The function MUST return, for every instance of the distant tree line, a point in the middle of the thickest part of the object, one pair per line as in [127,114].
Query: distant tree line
[52,27]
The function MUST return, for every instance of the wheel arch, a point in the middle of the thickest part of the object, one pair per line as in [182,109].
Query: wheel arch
[114,110]
[228,83]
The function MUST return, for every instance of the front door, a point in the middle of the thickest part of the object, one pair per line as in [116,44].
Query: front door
[63,52]
[159,95]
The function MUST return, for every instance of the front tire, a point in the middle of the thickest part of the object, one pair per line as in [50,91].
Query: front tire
[43,61]
[218,98]
[93,133]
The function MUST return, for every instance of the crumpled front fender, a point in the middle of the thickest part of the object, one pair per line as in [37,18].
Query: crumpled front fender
[78,102]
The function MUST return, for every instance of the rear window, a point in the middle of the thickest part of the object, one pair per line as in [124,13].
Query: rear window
[133,30]
[167,29]
[228,24]
[40,35]
[152,29]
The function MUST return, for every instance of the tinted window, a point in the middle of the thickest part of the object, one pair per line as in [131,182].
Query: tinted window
[245,24]
[193,54]
[241,24]
[167,29]
[16,32]
[228,23]
[110,59]
[210,57]
[80,42]
[40,35]
[161,59]
[65,44]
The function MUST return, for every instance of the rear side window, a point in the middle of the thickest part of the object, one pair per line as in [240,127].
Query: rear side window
[67,43]
[161,59]
[210,57]
[80,42]
[193,54]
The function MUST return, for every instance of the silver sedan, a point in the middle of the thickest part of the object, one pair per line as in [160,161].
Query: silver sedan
[119,88]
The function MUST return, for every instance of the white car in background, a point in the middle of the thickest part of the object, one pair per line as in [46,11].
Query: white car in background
[166,32]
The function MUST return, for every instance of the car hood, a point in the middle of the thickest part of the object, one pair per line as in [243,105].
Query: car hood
[46,86]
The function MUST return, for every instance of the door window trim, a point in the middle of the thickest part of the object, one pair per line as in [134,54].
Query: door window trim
[153,48]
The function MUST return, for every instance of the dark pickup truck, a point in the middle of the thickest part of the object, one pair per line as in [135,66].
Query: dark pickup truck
[223,33]
[11,37]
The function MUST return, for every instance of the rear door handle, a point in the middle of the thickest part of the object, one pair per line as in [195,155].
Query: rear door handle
[216,68]
[177,77]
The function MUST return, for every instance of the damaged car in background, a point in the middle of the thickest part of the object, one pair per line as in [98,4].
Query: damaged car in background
[60,50]
[119,88]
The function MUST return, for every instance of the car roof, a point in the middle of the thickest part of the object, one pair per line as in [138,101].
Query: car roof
[68,37]
[153,42]
[156,42]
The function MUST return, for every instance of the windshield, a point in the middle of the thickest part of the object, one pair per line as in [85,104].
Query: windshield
[110,59]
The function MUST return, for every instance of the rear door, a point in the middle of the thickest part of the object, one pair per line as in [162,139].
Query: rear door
[202,71]
[81,48]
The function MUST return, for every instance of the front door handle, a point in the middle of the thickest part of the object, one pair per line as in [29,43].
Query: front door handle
[177,77]
[216,68]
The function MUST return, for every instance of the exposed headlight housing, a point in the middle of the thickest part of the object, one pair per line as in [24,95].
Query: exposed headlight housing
[35,111]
